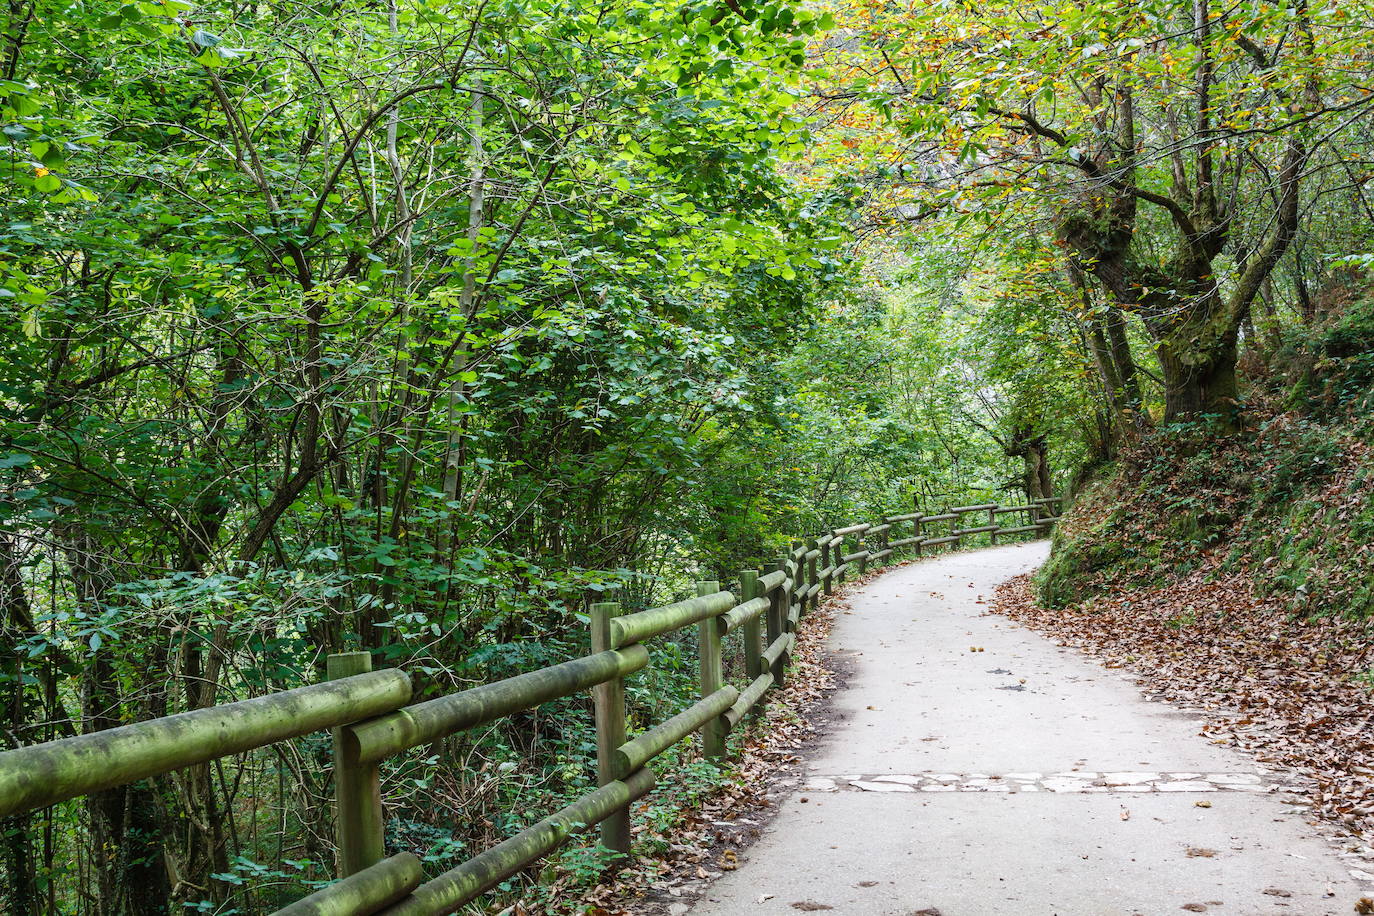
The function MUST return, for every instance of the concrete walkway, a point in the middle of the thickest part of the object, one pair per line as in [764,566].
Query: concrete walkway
[1017,778]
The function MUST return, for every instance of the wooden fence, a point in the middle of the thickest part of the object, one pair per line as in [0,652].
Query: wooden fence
[372,718]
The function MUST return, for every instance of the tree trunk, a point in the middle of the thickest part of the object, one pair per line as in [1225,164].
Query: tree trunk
[1033,450]
[1200,381]
[125,822]
[20,892]
[126,834]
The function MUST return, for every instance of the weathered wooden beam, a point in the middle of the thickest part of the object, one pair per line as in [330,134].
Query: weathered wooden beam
[711,671]
[776,618]
[981,529]
[44,774]
[461,885]
[978,508]
[359,828]
[643,625]
[747,700]
[608,700]
[773,580]
[741,613]
[933,542]
[437,718]
[852,529]
[633,754]
[751,594]
[366,892]
[772,656]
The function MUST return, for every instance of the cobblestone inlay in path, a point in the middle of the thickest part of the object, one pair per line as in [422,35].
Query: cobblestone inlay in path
[1068,781]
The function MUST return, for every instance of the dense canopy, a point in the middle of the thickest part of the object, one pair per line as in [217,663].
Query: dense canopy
[415,327]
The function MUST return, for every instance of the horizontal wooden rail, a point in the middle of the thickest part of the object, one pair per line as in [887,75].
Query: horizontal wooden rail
[364,893]
[776,650]
[44,774]
[741,614]
[479,874]
[773,581]
[749,698]
[633,628]
[632,755]
[1019,529]
[425,722]
[932,542]
[981,529]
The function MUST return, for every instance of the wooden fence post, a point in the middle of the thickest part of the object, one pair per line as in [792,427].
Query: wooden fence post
[609,701]
[827,562]
[916,532]
[812,572]
[359,826]
[712,678]
[777,616]
[752,630]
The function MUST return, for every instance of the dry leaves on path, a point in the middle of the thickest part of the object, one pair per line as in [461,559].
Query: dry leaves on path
[1284,688]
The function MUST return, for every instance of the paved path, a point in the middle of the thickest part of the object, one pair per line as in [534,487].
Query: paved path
[1017,779]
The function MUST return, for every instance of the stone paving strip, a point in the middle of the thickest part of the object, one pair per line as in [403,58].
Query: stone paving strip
[1071,781]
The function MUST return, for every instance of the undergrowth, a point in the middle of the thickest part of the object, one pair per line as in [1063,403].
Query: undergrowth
[1286,500]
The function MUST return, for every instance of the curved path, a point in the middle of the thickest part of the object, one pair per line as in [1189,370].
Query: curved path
[1017,778]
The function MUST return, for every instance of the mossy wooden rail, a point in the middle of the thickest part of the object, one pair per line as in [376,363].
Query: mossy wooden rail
[371,716]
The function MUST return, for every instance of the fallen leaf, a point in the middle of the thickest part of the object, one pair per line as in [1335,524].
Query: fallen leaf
[1277,892]
[1197,852]
[810,905]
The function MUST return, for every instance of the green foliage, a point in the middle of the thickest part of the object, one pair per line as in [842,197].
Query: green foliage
[1337,361]
[1287,503]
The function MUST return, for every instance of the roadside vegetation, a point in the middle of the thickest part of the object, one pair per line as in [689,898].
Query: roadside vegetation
[416,328]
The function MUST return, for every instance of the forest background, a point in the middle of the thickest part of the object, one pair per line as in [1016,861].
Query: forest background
[416,327]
